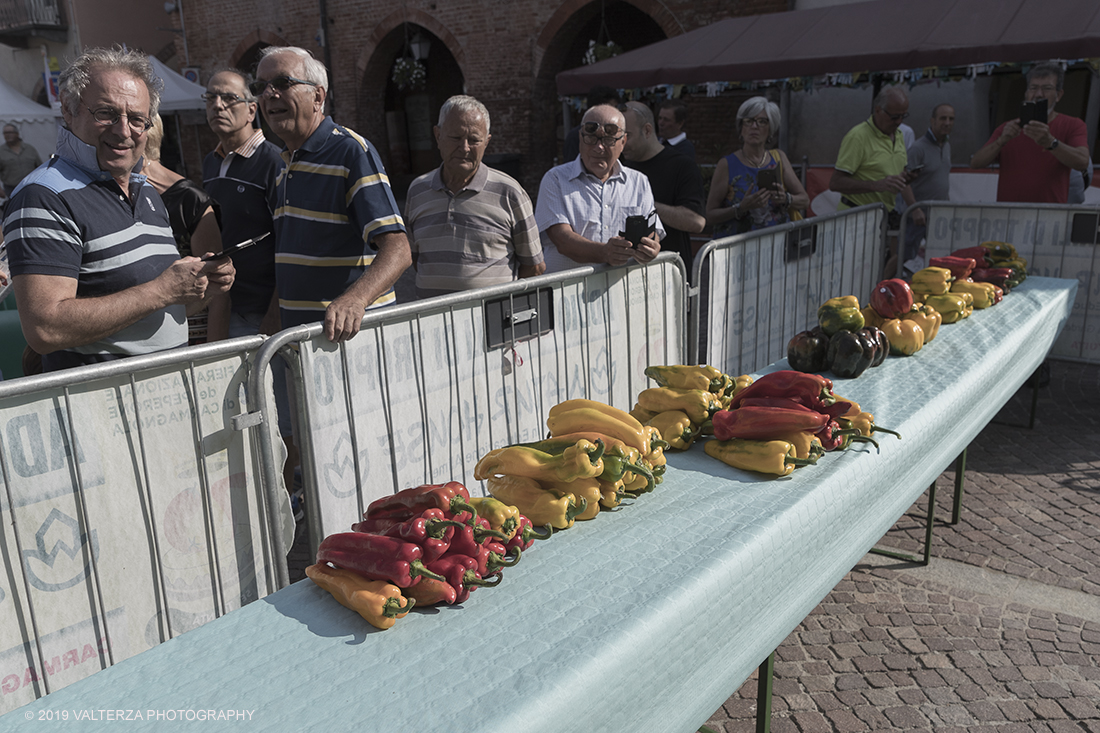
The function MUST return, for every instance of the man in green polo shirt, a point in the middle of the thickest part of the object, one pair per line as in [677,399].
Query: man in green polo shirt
[870,167]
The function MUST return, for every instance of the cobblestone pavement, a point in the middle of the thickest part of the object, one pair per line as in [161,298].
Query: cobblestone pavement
[1002,631]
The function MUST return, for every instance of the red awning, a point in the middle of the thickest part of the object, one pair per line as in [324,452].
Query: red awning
[881,35]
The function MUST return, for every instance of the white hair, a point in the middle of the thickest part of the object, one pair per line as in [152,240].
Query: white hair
[463,103]
[314,70]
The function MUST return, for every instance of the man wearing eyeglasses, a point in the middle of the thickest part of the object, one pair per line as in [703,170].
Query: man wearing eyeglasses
[333,207]
[1035,166]
[870,167]
[583,205]
[95,265]
[240,174]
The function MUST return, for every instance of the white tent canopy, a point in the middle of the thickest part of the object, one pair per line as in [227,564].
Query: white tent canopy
[179,93]
[36,123]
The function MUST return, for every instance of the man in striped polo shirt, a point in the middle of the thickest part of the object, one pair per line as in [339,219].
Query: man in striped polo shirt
[94,264]
[470,226]
[334,209]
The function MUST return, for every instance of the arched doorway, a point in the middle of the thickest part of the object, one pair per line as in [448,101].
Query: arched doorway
[564,48]
[402,124]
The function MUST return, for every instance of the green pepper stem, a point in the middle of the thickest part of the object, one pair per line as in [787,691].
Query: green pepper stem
[542,532]
[597,454]
[458,505]
[417,568]
[470,580]
[436,528]
[393,609]
[576,510]
[792,461]
[866,439]
[877,429]
[480,533]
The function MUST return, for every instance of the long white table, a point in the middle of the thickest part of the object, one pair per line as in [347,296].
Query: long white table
[644,619]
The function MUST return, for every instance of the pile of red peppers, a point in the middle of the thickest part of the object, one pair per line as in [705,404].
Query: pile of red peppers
[430,542]
[792,406]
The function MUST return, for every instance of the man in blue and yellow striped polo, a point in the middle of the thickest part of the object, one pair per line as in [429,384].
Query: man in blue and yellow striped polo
[339,240]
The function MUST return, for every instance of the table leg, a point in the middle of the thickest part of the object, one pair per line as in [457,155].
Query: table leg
[960,471]
[931,520]
[764,695]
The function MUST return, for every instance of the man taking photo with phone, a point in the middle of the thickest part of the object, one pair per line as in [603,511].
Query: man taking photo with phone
[1036,157]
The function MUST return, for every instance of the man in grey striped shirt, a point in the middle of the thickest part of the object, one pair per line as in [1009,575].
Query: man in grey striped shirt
[469,226]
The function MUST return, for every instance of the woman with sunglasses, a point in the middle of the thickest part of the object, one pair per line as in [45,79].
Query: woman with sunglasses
[754,187]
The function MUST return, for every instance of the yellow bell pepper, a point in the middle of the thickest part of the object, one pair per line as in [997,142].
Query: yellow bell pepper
[927,318]
[871,318]
[763,456]
[611,493]
[500,516]
[950,306]
[583,488]
[675,428]
[932,280]
[582,460]
[698,404]
[378,602]
[906,337]
[984,294]
[702,376]
[541,506]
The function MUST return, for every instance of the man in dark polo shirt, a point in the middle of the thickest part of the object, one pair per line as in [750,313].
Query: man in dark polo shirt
[240,174]
[93,261]
[675,179]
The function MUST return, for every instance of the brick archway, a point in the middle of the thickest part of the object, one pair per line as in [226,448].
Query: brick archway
[257,36]
[395,20]
[655,9]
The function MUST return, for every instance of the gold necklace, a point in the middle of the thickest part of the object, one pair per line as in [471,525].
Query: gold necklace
[763,157]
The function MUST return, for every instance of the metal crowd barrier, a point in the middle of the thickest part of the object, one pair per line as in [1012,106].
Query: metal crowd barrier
[1057,241]
[129,511]
[426,388]
[754,291]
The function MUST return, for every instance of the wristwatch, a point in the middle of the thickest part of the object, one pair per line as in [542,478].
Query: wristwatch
[1053,145]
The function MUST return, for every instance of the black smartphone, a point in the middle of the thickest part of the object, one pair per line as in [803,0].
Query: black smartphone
[1036,110]
[639,226]
[911,172]
[768,179]
[233,249]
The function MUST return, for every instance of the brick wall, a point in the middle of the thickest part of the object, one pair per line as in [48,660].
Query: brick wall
[507,51]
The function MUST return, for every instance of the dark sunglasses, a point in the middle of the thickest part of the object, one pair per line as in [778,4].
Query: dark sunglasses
[608,134]
[279,84]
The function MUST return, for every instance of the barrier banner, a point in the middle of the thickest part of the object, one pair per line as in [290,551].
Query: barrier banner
[1057,241]
[418,396]
[761,288]
[128,515]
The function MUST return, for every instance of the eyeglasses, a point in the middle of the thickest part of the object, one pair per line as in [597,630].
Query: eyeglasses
[279,84]
[756,122]
[590,134]
[107,116]
[228,98]
[897,117]
[1044,88]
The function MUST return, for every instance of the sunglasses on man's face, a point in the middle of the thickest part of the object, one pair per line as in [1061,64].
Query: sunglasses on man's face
[593,133]
[280,84]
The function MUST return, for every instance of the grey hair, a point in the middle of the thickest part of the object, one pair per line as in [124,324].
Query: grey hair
[611,107]
[463,104]
[1048,68]
[642,114]
[754,106]
[883,98]
[314,70]
[244,76]
[75,78]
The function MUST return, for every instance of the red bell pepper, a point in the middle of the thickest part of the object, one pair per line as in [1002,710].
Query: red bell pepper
[460,571]
[765,423]
[811,390]
[892,298]
[375,557]
[998,276]
[960,267]
[407,504]
[980,255]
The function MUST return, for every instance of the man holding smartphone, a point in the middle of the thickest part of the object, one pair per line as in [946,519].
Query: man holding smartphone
[1036,157]
[94,263]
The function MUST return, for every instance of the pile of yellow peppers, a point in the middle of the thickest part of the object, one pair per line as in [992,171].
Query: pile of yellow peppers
[681,405]
[595,455]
